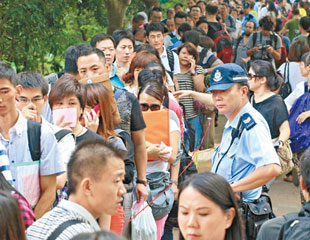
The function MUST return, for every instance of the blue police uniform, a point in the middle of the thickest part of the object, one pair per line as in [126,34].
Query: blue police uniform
[251,147]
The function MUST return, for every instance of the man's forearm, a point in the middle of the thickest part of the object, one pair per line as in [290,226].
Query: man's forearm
[256,179]
[141,160]
[45,202]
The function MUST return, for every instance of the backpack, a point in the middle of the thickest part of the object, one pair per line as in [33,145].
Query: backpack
[286,88]
[297,226]
[34,138]
[283,54]
[299,137]
[224,45]
[171,62]
[56,233]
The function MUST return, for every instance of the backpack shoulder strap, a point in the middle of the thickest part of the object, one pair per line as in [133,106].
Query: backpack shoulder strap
[170,59]
[55,234]
[118,93]
[254,38]
[34,139]
[237,44]
[62,133]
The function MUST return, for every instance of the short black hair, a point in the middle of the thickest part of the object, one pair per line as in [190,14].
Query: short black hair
[200,21]
[137,18]
[6,72]
[305,23]
[266,23]
[201,1]
[212,9]
[33,80]
[192,36]
[88,159]
[148,48]
[195,6]
[92,50]
[100,37]
[180,15]
[152,27]
[155,9]
[121,34]
[295,11]
[71,56]
[178,4]
[184,27]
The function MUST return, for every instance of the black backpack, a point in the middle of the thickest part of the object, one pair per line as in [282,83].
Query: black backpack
[171,62]
[286,88]
[297,226]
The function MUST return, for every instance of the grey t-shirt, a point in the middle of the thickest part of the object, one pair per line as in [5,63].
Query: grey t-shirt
[273,39]
[240,52]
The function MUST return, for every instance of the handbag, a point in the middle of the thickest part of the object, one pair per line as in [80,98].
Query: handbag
[285,156]
[254,214]
[158,182]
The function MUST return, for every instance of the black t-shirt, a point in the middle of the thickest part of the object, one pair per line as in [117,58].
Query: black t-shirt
[88,135]
[213,27]
[130,112]
[274,111]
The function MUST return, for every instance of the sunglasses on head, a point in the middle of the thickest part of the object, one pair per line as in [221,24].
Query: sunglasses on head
[146,107]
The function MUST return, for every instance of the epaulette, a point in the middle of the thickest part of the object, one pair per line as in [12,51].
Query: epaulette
[248,121]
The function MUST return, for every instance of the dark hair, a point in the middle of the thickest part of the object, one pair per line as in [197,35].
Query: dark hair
[137,18]
[101,37]
[265,69]
[206,42]
[266,23]
[96,93]
[33,80]
[253,24]
[218,190]
[155,9]
[66,86]
[155,27]
[180,15]
[11,222]
[157,66]
[184,27]
[170,10]
[93,50]
[148,74]
[279,23]
[71,56]
[297,49]
[121,34]
[295,11]
[191,48]
[88,159]
[103,235]
[200,21]
[192,36]
[306,58]
[201,1]
[305,23]
[148,48]
[195,6]
[6,72]
[212,9]
[140,60]
[154,89]
[178,4]
[272,8]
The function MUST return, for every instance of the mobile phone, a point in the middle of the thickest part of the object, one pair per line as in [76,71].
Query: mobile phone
[96,109]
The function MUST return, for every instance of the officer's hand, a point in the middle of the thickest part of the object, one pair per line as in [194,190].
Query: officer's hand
[182,93]
[303,116]
[269,49]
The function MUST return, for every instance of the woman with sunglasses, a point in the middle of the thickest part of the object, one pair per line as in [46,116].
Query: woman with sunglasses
[151,97]
[264,81]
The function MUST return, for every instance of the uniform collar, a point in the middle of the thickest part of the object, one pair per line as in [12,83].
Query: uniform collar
[66,204]
[234,123]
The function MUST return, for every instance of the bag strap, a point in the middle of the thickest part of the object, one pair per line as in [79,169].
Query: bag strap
[62,133]
[34,139]
[237,45]
[55,234]
[118,93]
[170,59]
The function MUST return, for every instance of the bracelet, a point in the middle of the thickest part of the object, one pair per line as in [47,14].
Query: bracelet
[281,143]
[194,74]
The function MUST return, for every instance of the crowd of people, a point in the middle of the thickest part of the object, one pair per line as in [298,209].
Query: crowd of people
[79,150]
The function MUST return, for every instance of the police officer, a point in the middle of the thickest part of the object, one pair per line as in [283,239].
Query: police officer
[245,157]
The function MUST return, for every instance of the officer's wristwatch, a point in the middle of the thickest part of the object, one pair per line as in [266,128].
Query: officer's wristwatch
[144,182]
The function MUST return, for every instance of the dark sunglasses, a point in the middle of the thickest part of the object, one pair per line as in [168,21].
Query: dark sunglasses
[146,107]
[250,75]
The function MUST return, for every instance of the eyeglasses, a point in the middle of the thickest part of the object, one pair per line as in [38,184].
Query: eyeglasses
[250,76]
[145,107]
[24,100]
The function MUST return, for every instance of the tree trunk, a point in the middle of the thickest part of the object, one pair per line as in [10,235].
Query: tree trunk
[116,13]
[151,3]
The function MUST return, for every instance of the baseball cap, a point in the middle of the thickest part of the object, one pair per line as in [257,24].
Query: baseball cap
[305,168]
[246,5]
[225,76]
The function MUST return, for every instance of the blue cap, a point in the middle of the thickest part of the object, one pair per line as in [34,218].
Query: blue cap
[246,5]
[225,76]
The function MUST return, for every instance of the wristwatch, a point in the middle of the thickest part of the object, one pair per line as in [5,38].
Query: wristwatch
[144,182]
[194,74]
[281,143]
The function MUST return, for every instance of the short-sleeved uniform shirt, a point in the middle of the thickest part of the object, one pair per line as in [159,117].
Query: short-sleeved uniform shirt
[252,150]
[274,111]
